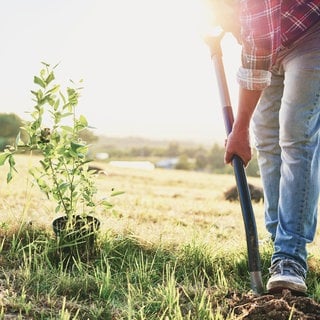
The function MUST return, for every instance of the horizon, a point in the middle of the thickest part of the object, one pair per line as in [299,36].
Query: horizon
[201,142]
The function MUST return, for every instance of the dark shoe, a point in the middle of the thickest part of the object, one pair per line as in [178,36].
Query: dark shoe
[286,274]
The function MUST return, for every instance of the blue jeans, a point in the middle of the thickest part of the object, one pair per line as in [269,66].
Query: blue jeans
[286,127]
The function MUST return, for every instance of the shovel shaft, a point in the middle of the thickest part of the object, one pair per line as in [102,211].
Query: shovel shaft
[254,264]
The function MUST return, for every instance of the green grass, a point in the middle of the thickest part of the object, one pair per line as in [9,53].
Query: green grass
[125,279]
[171,248]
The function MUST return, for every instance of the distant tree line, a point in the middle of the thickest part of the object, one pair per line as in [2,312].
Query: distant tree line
[10,125]
[189,158]
[193,157]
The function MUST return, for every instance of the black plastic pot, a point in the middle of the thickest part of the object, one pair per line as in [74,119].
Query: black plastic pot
[76,237]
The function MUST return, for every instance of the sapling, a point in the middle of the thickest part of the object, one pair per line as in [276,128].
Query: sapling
[54,133]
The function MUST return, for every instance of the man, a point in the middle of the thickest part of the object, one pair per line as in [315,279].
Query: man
[280,91]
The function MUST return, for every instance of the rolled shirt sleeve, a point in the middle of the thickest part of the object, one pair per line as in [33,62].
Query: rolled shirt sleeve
[261,40]
[251,79]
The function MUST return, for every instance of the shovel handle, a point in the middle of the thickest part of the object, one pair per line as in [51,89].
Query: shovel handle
[254,263]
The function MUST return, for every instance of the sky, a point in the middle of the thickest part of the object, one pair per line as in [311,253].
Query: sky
[145,67]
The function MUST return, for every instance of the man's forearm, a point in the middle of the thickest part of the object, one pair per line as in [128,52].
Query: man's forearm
[238,141]
[248,100]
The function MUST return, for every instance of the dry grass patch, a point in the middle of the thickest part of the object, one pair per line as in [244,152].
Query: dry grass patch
[167,206]
[172,207]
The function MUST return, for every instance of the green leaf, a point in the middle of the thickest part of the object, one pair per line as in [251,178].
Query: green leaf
[63,97]
[50,78]
[54,89]
[42,184]
[12,162]
[83,121]
[67,114]
[38,94]
[116,193]
[56,105]
[43,72]
[78,147]
[3,157]
[39,81]
[9,176]
[44,165]
[73,154]
[67,129]
[51,101]
[63,186]
[73,96]
[56,65]
[106,204]
[45,64]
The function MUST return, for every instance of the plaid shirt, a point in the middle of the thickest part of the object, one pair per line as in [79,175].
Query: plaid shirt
[266,27]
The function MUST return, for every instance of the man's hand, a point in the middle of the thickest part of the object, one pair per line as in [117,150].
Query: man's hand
[238,143]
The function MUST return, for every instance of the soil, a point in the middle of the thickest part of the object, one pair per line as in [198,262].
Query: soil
[280,306]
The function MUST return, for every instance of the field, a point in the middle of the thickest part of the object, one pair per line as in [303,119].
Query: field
[171,247]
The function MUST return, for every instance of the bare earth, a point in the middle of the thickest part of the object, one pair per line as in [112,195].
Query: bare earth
[282,306]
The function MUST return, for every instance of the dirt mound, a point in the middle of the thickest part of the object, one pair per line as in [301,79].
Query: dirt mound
[256,193]
[282,306]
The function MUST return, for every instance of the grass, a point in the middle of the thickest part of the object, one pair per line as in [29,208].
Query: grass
[171,248]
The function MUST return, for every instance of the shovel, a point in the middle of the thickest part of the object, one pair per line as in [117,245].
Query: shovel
[254,264]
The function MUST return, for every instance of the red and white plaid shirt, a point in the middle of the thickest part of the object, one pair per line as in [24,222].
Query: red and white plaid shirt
[266,27]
